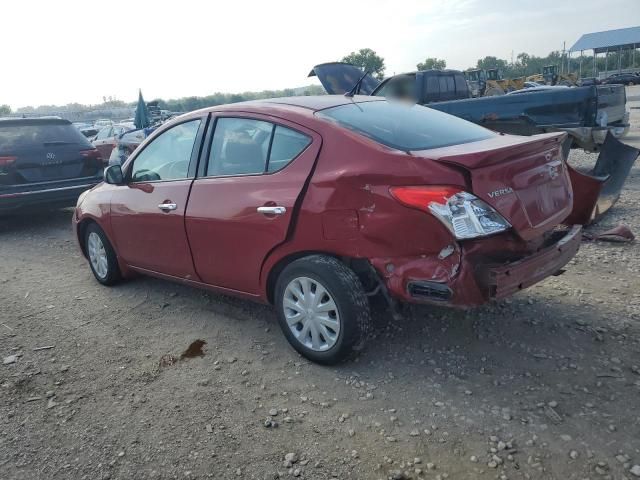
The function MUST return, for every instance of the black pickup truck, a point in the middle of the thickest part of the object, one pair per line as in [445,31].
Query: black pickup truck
[593,117]
[587,114]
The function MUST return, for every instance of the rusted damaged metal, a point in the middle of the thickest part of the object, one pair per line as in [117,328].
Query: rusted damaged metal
[597,191]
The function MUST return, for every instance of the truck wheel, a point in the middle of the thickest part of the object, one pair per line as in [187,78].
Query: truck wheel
[322,308]
[102,257]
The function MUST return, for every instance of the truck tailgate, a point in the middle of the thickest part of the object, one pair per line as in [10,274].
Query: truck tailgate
[611,104]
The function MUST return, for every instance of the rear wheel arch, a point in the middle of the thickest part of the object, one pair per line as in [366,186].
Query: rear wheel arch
[280,265]
[360,266]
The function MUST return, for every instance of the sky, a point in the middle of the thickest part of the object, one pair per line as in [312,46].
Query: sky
[58,52]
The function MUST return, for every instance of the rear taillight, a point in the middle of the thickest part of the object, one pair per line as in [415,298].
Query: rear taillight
[464,214]
[6,161]
[92,154]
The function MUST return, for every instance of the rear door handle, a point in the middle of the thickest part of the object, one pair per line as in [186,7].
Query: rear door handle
[272,210]
[167,206]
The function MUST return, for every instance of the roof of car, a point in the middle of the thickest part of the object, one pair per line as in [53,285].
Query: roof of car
[34,121]
[312,103]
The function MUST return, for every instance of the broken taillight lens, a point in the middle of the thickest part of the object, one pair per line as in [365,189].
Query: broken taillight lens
[464,214]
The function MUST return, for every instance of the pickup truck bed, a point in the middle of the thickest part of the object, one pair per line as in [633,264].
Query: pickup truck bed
[585,113]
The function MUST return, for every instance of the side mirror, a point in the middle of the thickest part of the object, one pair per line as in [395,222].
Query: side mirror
[113,175]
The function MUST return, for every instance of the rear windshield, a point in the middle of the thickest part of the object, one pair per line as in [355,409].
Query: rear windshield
[19,135]
[405,126]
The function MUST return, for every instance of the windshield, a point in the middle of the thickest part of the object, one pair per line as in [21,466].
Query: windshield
[405,126]
[471,76]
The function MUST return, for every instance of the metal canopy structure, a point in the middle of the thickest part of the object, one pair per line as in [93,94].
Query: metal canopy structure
[600,42]
[607,42]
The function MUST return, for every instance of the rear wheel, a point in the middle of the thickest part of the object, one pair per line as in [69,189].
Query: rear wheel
[102,257]
[322,308]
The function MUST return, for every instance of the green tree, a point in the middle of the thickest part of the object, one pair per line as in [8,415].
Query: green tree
[432,63]
[491,62]
[368,60]
[522,62]
[5,109]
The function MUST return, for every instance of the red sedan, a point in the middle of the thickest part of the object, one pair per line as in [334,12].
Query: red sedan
[314,204]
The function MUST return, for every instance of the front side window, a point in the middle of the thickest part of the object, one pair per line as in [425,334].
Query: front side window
[167,157]
[243,146]
[405,127]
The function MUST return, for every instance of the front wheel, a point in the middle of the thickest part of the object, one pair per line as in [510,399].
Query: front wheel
[102,257]
[322,308]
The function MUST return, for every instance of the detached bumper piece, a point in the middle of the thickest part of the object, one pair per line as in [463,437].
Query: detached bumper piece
[502,281]
[597,191]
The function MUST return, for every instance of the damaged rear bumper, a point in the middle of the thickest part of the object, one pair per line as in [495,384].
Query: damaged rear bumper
[504,280]
[469,277]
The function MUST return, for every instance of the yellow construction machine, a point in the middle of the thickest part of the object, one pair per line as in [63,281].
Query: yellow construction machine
[550,76]
[490,82]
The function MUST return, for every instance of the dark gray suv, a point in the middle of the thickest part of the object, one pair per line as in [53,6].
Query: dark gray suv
[44,163]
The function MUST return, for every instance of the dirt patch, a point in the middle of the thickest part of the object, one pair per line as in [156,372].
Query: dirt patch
[543,385]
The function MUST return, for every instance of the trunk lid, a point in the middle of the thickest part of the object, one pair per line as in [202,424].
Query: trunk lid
[338,78]
[44,150]
[524,178]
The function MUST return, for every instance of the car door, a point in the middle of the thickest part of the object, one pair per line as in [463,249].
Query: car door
[147,213]
[243,204]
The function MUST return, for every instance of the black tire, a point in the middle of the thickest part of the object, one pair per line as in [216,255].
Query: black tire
[344,287]
[113,270]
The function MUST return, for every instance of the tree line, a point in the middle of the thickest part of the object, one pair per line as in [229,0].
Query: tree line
[524,65]
[365,58]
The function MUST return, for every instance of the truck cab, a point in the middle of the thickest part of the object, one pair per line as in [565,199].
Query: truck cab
[426,86]
[477,81]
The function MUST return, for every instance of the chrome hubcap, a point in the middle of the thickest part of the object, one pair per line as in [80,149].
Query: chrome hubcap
[97,255]
[311,314]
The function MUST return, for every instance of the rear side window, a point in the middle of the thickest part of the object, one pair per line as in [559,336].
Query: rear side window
[405,127]
[239,147]
[243,146]
[25,134]
[287,145]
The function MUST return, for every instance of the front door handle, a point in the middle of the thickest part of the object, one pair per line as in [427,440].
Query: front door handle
[272,210]
[167,206]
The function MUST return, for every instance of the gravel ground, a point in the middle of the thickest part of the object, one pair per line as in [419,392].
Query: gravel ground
[543,385]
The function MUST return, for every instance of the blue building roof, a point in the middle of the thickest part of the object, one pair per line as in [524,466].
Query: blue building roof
[611,39]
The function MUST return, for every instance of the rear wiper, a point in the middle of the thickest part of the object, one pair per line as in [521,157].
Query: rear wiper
[356,88]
